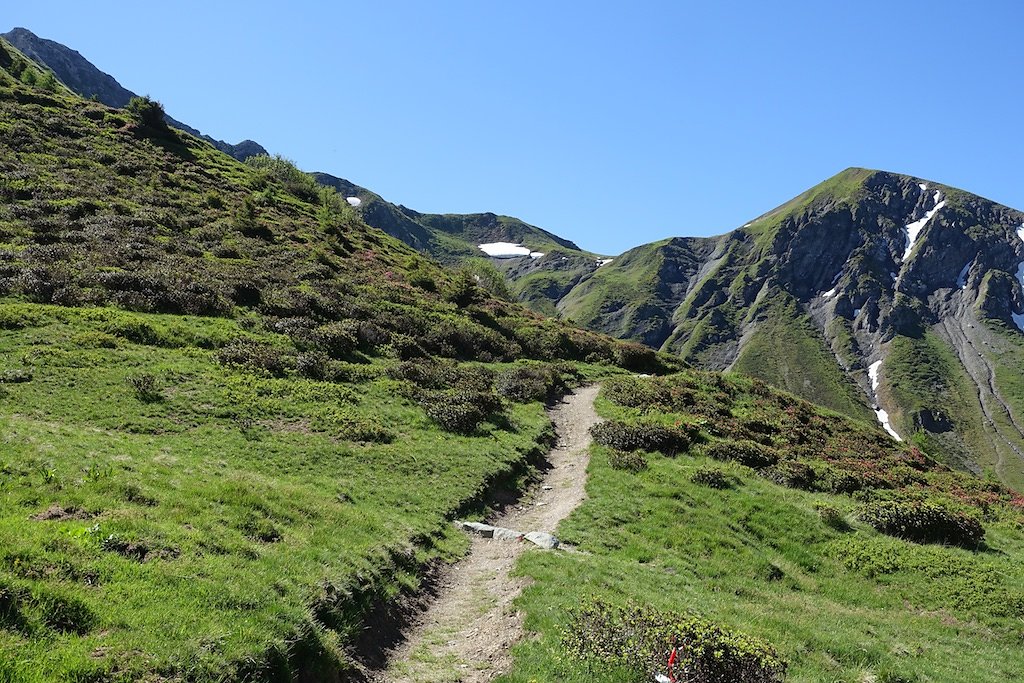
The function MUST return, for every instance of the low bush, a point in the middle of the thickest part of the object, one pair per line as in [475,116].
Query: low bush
[640,639]
[791,474]
[629,461]
[145,386]
[713,478]
[251,355]
[460,412]
[641,436]
[924,522]
[832,516]
[747,453]
[637,392]
[15,376]
[527,383]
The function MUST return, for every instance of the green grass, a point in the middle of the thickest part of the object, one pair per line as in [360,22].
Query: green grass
[788,352]
[840,605]
[257,526]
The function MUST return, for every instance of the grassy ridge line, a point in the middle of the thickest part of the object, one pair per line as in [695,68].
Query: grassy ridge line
[840,601]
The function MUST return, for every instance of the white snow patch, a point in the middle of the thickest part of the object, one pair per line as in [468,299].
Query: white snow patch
[748,225]
[961,279]
[915,228]
[503,249]
[873,374]
[882,416]
[353,201]
[603,261]
[923,186]
[836,278]
[536,254]
[856,313]
[830,293]
[894,276]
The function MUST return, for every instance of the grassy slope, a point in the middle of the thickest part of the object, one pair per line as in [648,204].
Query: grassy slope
[263,506]
[788,352]
[839,605]
[923,374]
[240,522]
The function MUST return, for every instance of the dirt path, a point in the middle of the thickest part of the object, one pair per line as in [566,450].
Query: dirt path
[465,635]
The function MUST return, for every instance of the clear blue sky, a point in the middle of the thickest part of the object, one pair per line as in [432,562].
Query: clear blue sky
[611,124]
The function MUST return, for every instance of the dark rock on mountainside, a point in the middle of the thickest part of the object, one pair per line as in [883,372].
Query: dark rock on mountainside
[871,290]
[81,76]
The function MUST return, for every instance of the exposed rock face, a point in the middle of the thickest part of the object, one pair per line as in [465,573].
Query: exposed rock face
[79,74]
[869,266]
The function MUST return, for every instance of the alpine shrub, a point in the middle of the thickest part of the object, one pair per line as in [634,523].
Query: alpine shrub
[792,474]
[639,640]
[629,461]
[527,383]
[713,478]
[253,356]
[924,522]
[460,412]
[747,453]
[641,436]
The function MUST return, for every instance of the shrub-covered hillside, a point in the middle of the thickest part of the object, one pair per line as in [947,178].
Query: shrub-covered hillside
[235,421]
[821,546]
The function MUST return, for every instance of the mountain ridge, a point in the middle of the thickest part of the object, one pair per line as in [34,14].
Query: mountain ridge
[84,78]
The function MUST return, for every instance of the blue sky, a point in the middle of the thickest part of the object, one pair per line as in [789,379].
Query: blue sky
[611,124]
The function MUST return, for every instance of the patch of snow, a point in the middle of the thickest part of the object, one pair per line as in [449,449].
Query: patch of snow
[503,249]
[923,186]
[961,279]
[836,278]
[748,225]
[603,261]
[873,374]
[830,293]
[536,254]
[856,313]
[353,201]
[914,229]
[883,417]
[894,276]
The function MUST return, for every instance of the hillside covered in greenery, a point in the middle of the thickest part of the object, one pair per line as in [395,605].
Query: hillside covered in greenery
[236,420]
[825,549]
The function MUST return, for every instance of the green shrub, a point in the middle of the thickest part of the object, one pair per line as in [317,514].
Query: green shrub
[747,453]
[145,386]
[832,516]
[147,111]
[629,461]
[636,392]
[527,383]
[638,640]
[345,424]
[641,436]
[460,412]
[637,357]
[251,355]
[713,477]
[792,474]
[924,522]
[15,376]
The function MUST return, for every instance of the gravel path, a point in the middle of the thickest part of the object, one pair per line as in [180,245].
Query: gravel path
[465,635]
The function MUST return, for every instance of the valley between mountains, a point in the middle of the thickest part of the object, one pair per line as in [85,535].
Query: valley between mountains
[243,407]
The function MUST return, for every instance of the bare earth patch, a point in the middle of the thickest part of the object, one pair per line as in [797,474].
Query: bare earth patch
[465,635]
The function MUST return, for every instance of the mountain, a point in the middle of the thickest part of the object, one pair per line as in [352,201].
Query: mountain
[877,294]
[76,72]
[541,266]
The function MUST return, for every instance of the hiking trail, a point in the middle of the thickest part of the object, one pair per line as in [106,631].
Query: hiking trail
[466,633]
